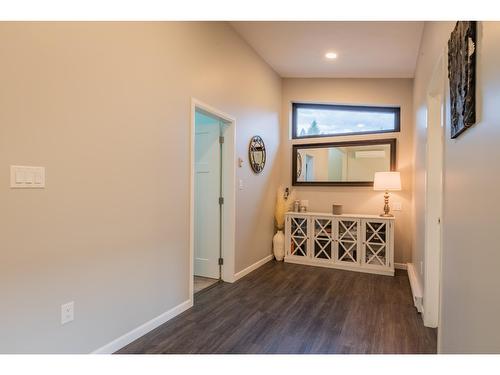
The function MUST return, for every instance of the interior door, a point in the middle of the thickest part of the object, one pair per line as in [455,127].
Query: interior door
[309,168]
[207,192]
[434,194]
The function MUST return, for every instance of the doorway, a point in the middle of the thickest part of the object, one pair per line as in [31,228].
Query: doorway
[209,132]
[434,194]
[309,168]
[212,197]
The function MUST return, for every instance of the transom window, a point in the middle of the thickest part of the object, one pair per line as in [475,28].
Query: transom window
[327,120]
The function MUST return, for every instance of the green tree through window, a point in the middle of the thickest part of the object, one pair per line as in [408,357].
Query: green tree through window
[313,128]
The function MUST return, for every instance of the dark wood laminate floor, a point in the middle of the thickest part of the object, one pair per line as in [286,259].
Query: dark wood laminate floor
[289,308]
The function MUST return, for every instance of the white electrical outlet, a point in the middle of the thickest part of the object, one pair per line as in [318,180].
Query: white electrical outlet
[397,206]
[241,185]
[67,312]
[422,268]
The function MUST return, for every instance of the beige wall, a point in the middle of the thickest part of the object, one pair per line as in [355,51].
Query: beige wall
[364,169]
[105,107]
[470,301]
[356,199]
[320,163]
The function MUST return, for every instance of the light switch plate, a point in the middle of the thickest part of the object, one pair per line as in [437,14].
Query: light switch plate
[397,206]
[67,312]
[27,177]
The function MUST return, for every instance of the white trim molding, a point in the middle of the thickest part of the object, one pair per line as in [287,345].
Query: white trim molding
[416,290]
[401,266]
[253,267]
[137,332]
[434,172]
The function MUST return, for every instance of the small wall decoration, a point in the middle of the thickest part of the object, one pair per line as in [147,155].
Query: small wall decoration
[462,76]
[257,154]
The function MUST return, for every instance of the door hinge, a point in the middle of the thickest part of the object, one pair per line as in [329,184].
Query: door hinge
[221,139]
[221,200]
[221,261]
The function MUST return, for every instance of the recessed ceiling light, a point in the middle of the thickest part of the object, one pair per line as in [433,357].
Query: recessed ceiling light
[331,55]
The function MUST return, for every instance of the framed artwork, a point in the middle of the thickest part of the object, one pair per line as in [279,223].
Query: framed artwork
[462,76]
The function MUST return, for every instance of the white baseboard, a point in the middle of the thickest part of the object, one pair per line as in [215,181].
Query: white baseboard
[400,266]
[253,267]
[133,335]
[416,290]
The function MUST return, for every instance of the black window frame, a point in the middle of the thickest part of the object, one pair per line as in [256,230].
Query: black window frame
[358,108]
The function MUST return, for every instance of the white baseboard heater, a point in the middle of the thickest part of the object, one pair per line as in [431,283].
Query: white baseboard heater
[416,290]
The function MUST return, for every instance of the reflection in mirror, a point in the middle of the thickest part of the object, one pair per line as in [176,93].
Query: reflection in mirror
[347,163]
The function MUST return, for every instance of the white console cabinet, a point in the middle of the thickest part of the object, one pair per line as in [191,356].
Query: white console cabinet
[363,243]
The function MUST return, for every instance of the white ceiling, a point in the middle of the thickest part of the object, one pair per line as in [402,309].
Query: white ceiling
[365,49]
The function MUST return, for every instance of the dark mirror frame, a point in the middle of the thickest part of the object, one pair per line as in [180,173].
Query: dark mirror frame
[391,142]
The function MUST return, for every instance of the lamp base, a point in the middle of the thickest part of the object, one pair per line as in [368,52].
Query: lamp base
[386,215]
[387,209]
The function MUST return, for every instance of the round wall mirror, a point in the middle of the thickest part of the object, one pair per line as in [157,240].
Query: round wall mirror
[257,154]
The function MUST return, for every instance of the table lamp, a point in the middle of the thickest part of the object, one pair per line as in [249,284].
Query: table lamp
[387,181]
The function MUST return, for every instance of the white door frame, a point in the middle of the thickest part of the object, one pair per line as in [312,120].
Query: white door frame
[436,104]
[228,188]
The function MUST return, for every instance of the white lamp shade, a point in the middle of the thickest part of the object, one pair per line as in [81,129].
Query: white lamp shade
[387,181]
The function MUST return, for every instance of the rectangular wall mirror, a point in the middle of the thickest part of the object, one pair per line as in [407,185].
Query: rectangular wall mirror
[342,163]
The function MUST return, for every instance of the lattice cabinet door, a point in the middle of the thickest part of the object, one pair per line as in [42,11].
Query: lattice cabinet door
[298,236]
[376,243]
[347,241]
[322,238]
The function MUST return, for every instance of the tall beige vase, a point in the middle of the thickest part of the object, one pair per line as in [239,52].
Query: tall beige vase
[279,245]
